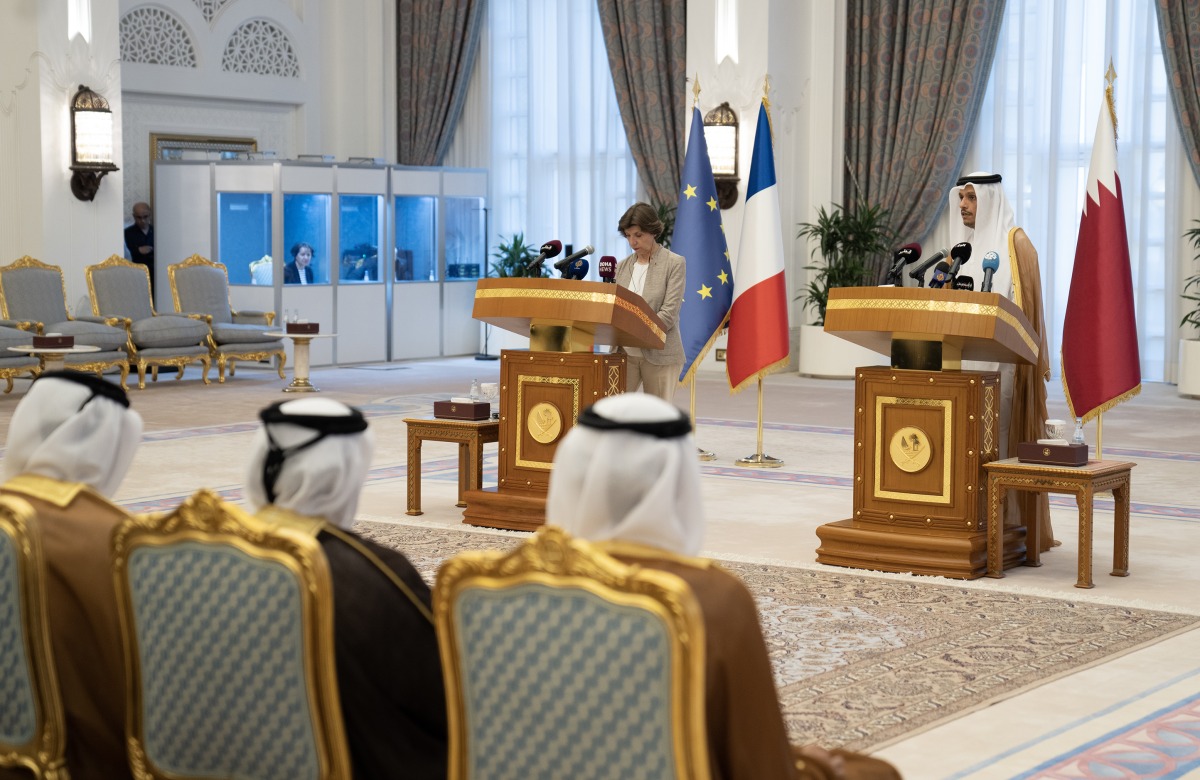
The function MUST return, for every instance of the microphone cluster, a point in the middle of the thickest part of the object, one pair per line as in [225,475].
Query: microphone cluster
[573,266]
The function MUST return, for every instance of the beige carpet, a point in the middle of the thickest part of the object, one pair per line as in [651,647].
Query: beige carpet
[863,660]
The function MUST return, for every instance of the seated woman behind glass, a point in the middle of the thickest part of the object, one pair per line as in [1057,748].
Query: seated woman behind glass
[299,270]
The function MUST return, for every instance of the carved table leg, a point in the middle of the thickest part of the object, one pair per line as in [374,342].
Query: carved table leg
[414,473]
[1121,529]
[1083,497]
[464,471]
[995,530]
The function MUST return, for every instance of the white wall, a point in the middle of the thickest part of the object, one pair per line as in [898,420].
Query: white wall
[800,45]
[41,72]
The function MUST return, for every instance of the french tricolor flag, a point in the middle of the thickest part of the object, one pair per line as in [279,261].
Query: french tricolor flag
[758,319]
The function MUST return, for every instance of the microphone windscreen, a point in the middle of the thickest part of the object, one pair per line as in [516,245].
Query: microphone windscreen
[964,283]
[551,248]
[941,274]
[961,252]
[912,252]
[991,261]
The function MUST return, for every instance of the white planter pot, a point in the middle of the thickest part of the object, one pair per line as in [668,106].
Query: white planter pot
[826,356]
[1189,367]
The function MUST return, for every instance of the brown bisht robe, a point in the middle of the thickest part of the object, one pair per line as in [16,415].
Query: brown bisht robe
[1028,421]
[746,734]
[76,525]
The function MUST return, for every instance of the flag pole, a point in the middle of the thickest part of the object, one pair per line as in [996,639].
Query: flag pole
[758,460]
[703,454]
[1100,436]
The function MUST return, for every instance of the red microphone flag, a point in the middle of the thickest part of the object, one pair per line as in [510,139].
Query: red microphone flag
[1100,364]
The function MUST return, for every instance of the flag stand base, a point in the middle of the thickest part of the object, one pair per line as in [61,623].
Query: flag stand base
[759,461]
[705,455]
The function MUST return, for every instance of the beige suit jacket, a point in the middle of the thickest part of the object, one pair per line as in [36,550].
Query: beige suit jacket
[663,292]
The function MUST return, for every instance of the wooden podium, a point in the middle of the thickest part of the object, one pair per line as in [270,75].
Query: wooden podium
[543,389]
[923,428]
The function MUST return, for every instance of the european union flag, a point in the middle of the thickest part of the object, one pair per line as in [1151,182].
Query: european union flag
[699,237]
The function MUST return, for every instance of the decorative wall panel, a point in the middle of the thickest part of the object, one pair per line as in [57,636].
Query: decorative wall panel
[155,36]
[260,47]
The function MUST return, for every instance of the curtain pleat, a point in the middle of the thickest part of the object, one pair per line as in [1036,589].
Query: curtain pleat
[436,44]
[916,73]
[646,43]
[1179,29]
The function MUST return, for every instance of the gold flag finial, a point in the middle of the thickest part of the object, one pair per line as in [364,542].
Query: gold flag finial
[1110,76]
[766,101]
[696,90]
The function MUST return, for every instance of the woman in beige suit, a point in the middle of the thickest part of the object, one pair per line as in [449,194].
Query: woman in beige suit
[657,274]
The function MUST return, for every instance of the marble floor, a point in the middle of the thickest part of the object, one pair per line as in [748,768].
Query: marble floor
[1137,715]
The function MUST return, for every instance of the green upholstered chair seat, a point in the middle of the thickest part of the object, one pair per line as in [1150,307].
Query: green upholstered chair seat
[221,652]
[230,333]
[558,682]
[90,334]
[167,330]
[18,713]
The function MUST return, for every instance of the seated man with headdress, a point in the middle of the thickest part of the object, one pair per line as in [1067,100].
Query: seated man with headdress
[308,463]
[626,477]
[988,225]
[70,443]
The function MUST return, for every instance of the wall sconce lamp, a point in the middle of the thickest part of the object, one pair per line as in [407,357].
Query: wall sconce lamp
[91,142]
[721,137]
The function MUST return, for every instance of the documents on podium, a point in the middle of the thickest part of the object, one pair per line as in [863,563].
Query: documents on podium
[923,428]
[543,389]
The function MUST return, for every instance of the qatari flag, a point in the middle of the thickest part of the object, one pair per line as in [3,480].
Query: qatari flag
[1100,367]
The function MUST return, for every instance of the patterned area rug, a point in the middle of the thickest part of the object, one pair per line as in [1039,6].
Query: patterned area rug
[862,661]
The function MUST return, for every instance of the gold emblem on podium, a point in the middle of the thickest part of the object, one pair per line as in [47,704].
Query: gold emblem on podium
[544,422]
[910,449]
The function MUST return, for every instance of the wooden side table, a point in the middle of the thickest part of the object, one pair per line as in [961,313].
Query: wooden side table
[470,435]
[1096,476]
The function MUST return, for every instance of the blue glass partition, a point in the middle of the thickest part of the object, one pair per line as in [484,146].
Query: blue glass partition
[360,234]
[243,233]
[466,247]
[415,251]
[306,238]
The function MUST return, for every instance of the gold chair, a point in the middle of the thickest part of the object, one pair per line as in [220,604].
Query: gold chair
[262,271]
[120,293]
[33,295]
[200,288]
[228,628]
[32,727]
[561,661]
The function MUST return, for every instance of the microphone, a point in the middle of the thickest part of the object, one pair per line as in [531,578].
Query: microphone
[608,268]
[991,264]
[964,283]
[918,273]
[578,270]
[548,250]
[909,253]
[566,261]
[941,275]
[961,253]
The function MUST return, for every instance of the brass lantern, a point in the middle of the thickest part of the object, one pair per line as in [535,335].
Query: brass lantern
[721,137]
[91,142]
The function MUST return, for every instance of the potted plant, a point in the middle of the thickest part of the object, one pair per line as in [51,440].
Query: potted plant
[512,257]
[847,240]
[1189,349]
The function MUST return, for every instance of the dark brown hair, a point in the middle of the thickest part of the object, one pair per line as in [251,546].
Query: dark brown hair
[641,215]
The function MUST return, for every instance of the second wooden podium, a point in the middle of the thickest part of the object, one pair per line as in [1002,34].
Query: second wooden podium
[923,428]
[543,389]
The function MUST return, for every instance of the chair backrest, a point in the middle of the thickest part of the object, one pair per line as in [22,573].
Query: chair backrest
[32,290]
[199,285]
[560,661]
[261,271]
[32,731]
[228,626]
[118,287]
